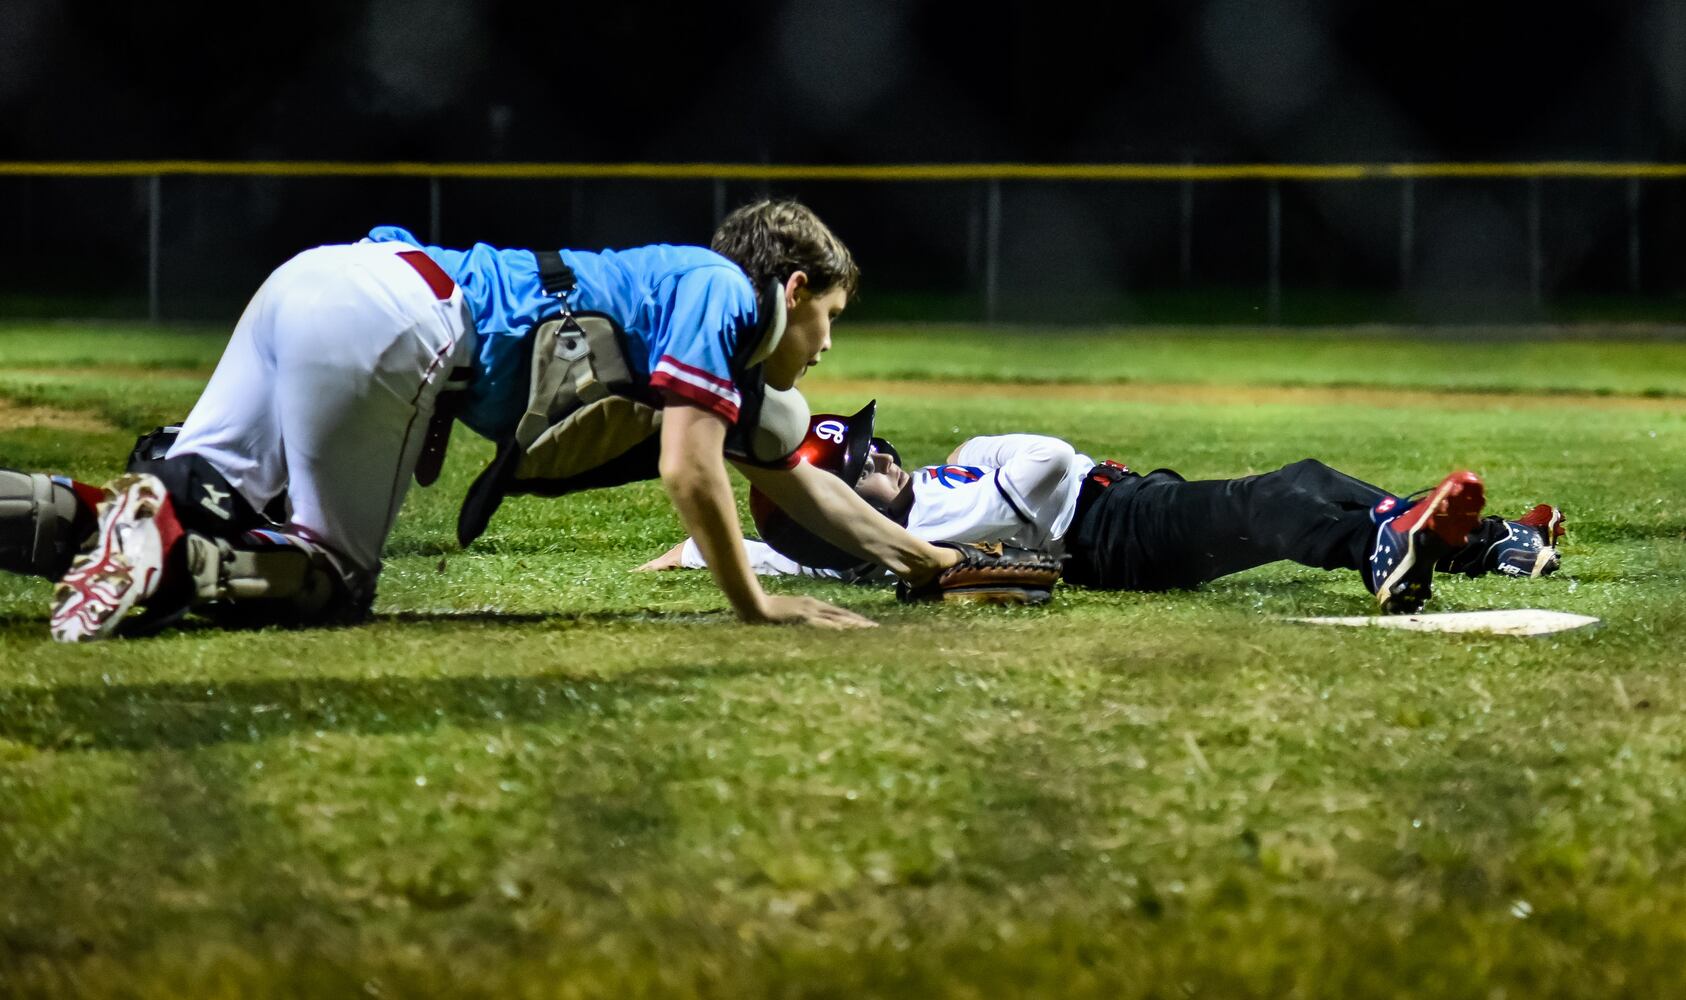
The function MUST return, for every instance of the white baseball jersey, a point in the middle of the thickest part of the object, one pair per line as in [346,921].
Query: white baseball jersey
[1020,489]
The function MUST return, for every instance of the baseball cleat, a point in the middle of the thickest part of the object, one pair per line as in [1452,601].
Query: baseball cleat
[1525,547]
[137,531]
[1401,569]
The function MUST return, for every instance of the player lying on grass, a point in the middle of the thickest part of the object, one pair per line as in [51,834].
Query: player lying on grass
[1120,530]
[341,378]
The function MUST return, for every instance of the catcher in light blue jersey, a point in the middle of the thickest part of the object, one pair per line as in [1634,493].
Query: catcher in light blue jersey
[342,377]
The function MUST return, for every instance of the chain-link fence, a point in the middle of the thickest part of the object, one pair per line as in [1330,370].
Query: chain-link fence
[1102,243]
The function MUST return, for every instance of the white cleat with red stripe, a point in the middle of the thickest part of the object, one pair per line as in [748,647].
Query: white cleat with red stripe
[137,531]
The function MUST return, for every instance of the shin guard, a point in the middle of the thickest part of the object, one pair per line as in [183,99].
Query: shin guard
[44,521]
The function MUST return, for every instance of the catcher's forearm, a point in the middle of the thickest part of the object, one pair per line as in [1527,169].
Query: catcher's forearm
[696,482]
[820,502]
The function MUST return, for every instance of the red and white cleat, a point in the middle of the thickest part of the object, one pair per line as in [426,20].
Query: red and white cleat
[138,530]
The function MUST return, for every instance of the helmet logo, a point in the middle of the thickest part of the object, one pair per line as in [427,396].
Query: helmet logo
[830,430]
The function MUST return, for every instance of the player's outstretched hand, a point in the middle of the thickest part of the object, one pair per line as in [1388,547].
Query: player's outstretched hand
[792,610]
[671,559]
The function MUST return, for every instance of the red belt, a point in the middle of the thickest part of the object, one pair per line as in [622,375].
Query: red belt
[432,273]
[1100,477]
[1108,472]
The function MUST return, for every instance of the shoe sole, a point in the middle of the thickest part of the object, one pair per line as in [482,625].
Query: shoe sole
[1548,560]
[1450,513]
[1548,521]
[1545,561]
[123,569]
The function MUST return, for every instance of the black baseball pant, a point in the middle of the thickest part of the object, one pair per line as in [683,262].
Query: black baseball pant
[1160,531]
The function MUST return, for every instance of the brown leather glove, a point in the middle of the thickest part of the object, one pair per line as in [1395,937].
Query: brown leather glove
[988,574]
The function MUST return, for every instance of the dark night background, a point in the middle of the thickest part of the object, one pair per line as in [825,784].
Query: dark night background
[864,82]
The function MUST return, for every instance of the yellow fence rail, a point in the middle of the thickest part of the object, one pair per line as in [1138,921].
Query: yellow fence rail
[879,172]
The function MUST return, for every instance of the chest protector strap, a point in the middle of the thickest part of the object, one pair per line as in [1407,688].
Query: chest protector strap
[589,421]
[576,361]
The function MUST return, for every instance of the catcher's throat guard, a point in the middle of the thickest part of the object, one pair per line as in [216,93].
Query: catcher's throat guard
[590,422]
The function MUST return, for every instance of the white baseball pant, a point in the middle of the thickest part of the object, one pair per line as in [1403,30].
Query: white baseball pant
[325,391]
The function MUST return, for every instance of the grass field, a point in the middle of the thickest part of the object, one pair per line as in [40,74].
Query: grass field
[536,774]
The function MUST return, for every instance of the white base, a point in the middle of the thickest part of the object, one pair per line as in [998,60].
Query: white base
[1519,621]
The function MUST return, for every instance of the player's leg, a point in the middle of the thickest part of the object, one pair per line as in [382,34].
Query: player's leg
[1174,533]
[232,415]
[143,559]
[353,345]
[1159,531]
[354,410]
[232,433]
[44,521]
[360,355]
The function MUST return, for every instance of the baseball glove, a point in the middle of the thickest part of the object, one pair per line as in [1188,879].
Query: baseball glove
[988,574]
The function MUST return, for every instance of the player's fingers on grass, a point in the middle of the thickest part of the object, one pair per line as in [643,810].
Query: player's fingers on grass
[848,619]
[831,616]
[671,559]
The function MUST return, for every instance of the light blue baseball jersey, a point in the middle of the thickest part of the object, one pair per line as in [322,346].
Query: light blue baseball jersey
[684,310]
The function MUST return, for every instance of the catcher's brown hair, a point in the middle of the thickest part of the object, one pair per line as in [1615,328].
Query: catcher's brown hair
[772,239]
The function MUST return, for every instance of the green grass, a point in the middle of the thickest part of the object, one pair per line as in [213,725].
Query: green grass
[536,774]
[1245,303]
[1472,359]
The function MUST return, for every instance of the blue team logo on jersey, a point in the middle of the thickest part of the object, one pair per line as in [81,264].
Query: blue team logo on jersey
[955,475]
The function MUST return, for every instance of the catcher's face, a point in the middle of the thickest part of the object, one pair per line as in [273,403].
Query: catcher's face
[807,330]
[882,480]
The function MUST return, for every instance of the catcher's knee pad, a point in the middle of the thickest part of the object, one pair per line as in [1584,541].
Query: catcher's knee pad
[152,446]
[44,520]
[268,578]
[203,499]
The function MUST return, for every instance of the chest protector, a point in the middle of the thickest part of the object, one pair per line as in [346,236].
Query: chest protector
[592,421]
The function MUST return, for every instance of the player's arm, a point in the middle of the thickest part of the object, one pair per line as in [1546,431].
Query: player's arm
[694,474]
[998,451]
[763,559]
[825,505]
[1031,474]
[673,558]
